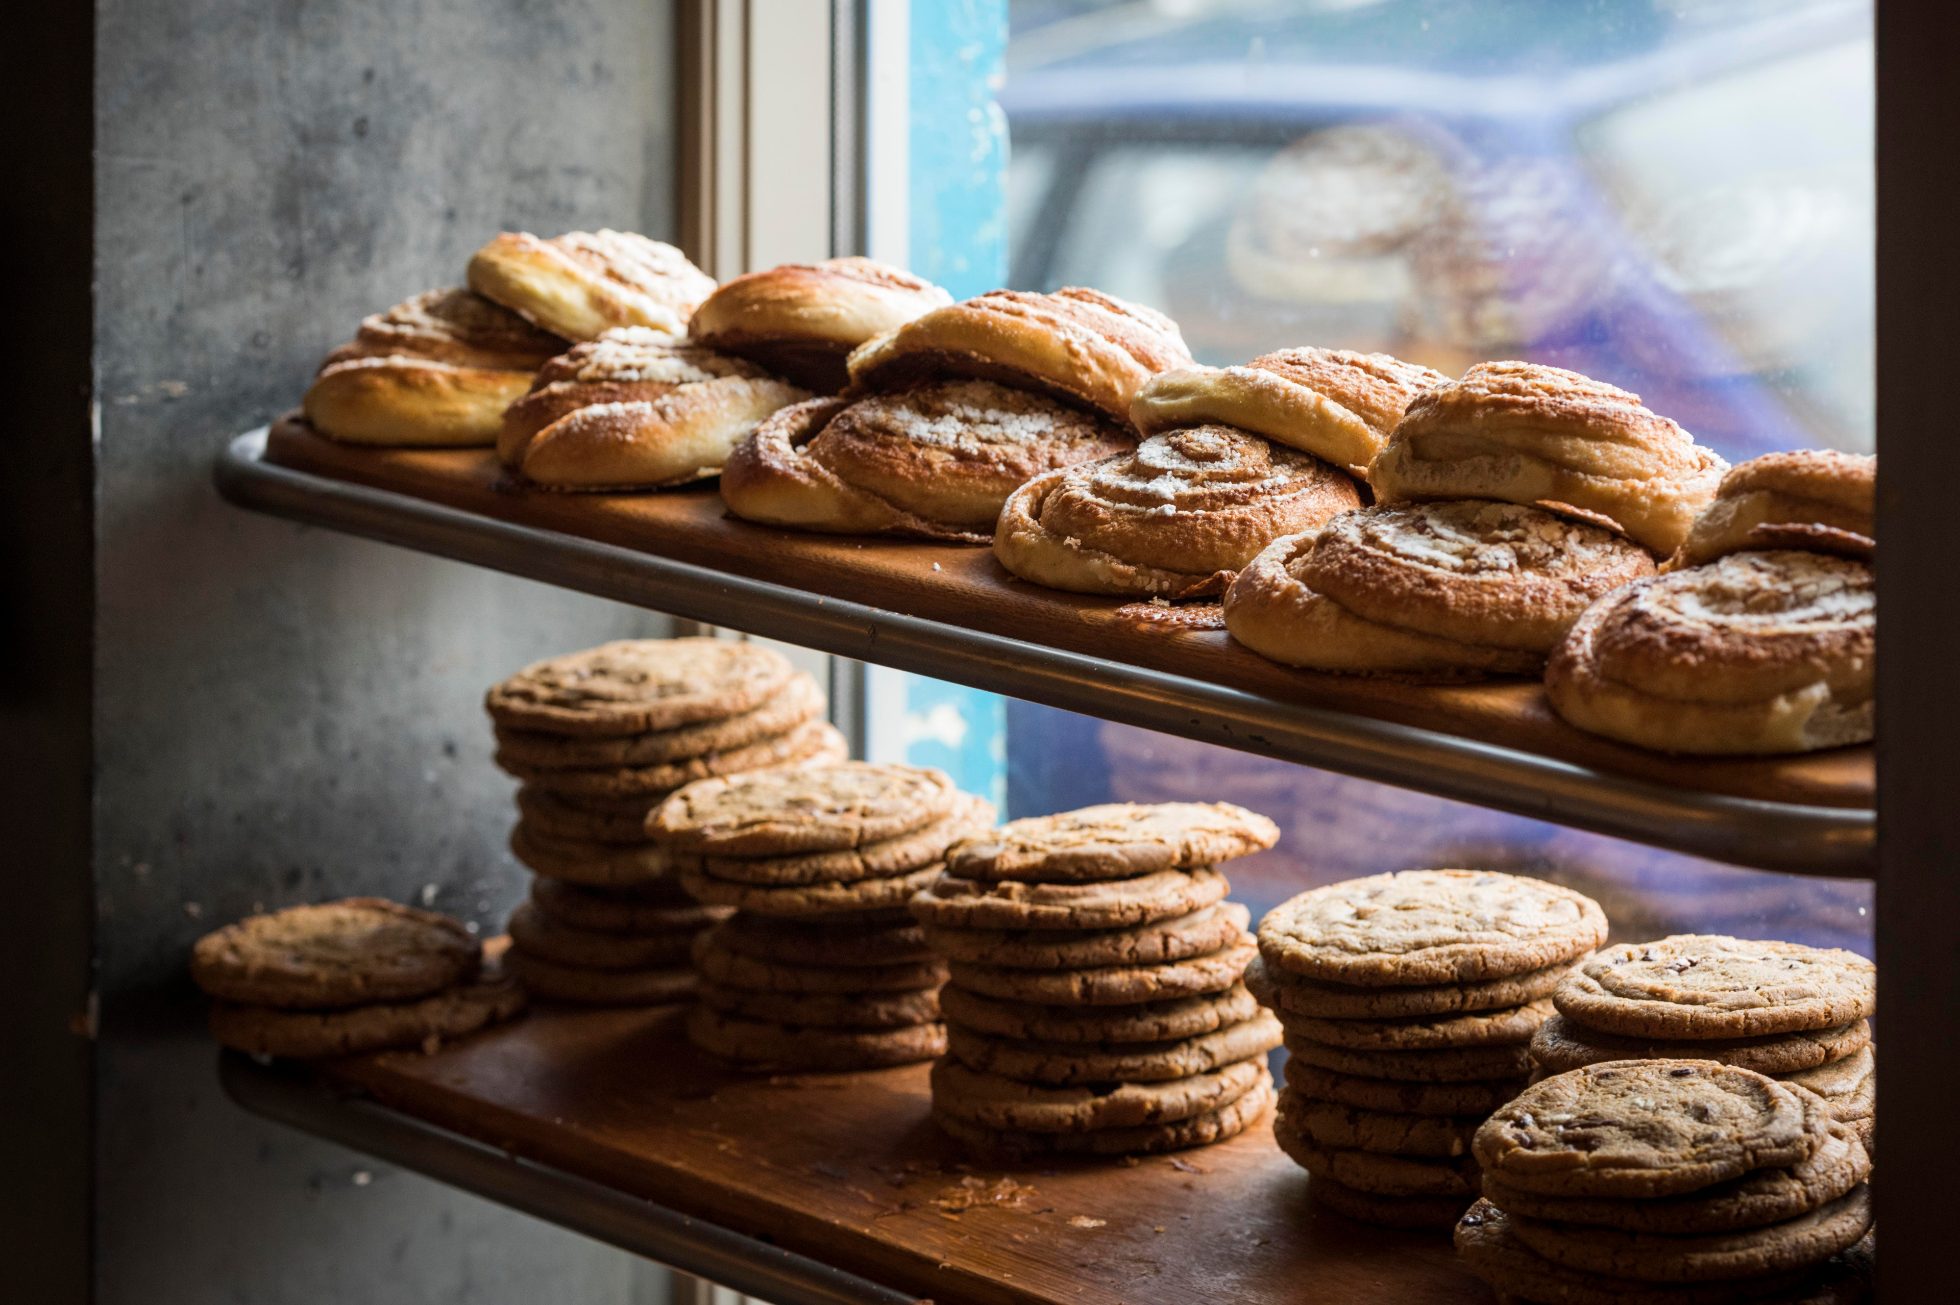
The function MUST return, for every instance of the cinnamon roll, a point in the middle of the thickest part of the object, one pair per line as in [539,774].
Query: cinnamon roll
[1430,590]
[1333,403]
[1081,345]
[636,409]
[586,282]
[1552,439]
[1816,499]
[1177,518]
[1768,652]
[801,320]
[934,461]
[437,369]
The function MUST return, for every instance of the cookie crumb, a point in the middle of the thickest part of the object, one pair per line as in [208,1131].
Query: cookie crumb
[1085,1221]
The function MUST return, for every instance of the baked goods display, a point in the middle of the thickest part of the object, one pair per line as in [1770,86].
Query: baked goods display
[599,738]
[1409,1002]
[1795,1013]
[435,370]
[802,320]
[1094,1002]
[1813,499]
[819,967]
[1669,1181]
[335,978]
[584,283]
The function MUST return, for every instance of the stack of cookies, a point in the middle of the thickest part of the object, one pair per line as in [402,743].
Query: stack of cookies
[1793,1012]
[820,967]
[1677,1181]
[1409,1001]
[1094,1003]
[340,977]
[599,738]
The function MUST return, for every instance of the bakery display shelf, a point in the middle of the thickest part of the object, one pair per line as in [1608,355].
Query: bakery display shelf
[827,1188]
[951,612]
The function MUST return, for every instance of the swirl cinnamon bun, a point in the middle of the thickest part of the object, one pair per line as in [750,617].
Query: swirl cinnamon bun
[1429,590]
[437,369]
[636,409]
[1081,345]
[801,320]
[584,283]
[1333,403]
[1816,499]
[1177,518]
[1553,439]
[934,461]
[1754,653]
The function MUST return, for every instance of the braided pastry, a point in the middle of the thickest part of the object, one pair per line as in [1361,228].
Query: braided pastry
[802,320]
[586,282]
[1814,499]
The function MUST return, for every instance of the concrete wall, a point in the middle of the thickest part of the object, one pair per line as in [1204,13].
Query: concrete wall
[283,714]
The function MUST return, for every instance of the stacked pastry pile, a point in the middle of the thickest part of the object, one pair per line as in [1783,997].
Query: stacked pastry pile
[1409,1001]
[1673,1182]
[819,967]
[599,738]
[1095,1003]
[341,977]
[1792,1012]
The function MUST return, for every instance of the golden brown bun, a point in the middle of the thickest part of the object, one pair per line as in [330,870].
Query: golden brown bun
[1754,653]
[1333,403]
[437,369]
[1176,519]
[1431,590]
[1815,499]
[801,320]
[1078,344]
[586,282]
[1552,439]
[934,461]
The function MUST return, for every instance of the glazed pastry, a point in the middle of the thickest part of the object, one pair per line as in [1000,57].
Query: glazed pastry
[1333,403]
[1443,590]
[1175,519]
[636,409]
[801,320]
[1080,345]
[1816,499]
[934,461]
[1552,439]
[1754,653]
[438,369]
[584,283]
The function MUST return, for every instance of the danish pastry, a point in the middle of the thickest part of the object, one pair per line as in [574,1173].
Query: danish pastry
[1552,439]
[802,320]
[586,282]
[1177,518]
[1816,499]
[1760,652]
[1428,590]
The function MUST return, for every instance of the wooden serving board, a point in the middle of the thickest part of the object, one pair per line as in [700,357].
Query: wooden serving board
[848,1170]
[964,586]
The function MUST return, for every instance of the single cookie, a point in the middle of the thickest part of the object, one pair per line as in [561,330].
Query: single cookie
[1204,1129]
[884,938]
[799,701]
[803,900]
[765,1045]
[1849,1086]
[1117,841]
[534,933]
[563,818]
[955,903]
[1443,1065]
[1489,1028]
[814,742]
[1374,1172]
[589,987]
[1328,1126]
[639,685]
[1110,985]
[425,1022]
[1429,927]
[1200,933]
[1561,1044]
[1475,1097]
[595,865]
[1059,1064]
[856,1010]
[809,809]
[1158,1021]
[1644,1128]
[734,970]
[345,953]
[1002,1103]
[1386,1211]
[881,860]
[1711,986]
[659,906]
[1292,995]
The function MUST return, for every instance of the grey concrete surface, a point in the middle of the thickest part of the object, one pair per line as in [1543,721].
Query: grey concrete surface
[283,714]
